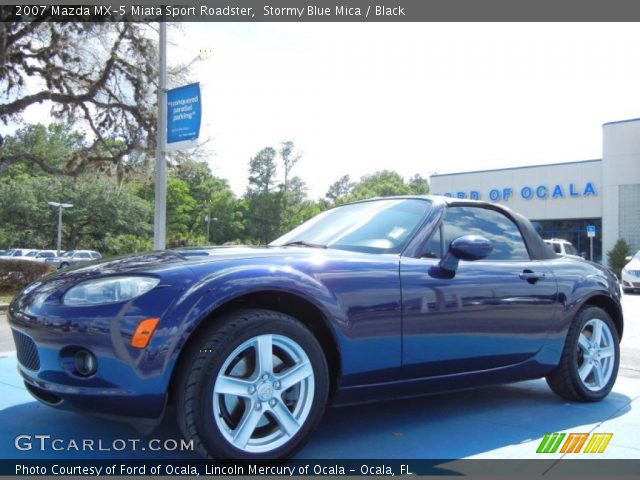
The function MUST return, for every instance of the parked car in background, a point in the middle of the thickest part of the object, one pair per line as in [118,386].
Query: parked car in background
[562,247]
[630,277]
[17,253]
[40,255]
[373,300]
[74,257]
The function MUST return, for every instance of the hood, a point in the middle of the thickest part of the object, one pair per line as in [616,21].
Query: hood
[633,265]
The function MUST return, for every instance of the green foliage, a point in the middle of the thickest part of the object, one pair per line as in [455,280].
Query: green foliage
[128,243]
[418,185]
[100,210]
[616,257]
[16,274]
[113,206]
[385,183]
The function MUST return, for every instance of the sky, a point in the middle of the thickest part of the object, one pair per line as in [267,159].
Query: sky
[412,97]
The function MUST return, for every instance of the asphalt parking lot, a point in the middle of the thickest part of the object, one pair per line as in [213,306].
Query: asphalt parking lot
[503,422]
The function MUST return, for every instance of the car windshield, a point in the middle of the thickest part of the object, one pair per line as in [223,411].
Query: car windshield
[378,226]
[637,255]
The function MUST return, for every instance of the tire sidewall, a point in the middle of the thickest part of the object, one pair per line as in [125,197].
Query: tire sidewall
[212,439]
[584,317]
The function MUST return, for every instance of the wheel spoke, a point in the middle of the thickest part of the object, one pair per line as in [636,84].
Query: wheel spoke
[295,375]
[583,342]
[607,352]
[264,354]
[598,374]
[585,370]
[285,419]
[597,332]
[232,386]
[242,434]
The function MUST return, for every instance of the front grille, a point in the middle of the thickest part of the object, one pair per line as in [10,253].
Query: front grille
[27,350]
[636,284]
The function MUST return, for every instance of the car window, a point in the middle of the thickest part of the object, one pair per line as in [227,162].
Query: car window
[500,230]
[379,226]
[67,254]
[17,253]
[82,255]
[46,254]
[95,255]
[556,247]
[31,254]
[571,250]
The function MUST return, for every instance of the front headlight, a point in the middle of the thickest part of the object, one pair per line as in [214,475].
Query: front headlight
[108,290]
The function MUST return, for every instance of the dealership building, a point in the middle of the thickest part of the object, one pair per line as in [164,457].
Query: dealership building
[565,199]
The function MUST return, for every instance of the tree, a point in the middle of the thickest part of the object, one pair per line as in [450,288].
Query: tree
[340,188]
[99,212]
[616,257]
[97,77]
[418,185]
[262,171]
[54,142]
[264,201]
[289,160]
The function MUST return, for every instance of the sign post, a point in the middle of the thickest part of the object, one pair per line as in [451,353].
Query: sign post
[591,233]
[160,213]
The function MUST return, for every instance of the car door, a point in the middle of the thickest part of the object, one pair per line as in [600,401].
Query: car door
[492,313]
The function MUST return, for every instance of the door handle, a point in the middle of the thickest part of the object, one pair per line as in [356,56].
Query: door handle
[531,277]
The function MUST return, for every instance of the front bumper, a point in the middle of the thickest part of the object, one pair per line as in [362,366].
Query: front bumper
[127,382]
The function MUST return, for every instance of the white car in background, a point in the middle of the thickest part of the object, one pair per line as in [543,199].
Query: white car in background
[630,277]
[40,255]
[17,253]
[562,247]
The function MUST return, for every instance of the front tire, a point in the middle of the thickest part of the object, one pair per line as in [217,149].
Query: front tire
[254,387]
[589,364]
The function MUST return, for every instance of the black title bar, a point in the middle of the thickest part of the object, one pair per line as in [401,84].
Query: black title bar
[329,11]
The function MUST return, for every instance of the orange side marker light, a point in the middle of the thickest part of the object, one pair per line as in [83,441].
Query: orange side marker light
[143,332]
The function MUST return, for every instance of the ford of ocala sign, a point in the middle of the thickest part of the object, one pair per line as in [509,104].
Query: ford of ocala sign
[531,192]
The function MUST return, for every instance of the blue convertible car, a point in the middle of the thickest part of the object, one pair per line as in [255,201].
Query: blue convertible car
[381,298]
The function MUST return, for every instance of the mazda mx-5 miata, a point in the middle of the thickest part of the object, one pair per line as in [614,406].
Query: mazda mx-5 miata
[381,298]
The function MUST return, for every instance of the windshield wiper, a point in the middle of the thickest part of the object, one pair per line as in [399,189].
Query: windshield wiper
[302,243]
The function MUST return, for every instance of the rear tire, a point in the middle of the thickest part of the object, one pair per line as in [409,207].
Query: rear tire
[589,364]
[253,387]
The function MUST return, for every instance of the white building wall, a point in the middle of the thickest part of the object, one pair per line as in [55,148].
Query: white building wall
[621,183]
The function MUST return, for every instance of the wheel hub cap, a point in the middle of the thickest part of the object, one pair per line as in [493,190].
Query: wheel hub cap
[265,391]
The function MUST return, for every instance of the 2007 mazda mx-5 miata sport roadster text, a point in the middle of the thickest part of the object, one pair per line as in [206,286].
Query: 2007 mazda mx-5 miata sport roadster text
[380,298]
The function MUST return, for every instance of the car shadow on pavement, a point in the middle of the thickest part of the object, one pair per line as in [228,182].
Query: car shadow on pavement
[458,425]
[446,426]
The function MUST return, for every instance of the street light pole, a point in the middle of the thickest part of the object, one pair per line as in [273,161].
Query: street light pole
[60,207]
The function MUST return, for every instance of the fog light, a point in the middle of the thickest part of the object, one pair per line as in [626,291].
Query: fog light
[86,364]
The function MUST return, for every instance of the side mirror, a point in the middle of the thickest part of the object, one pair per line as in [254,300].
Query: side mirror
[628,258]
[467,247]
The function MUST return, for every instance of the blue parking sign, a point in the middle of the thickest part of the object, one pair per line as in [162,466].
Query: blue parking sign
[591,230]
[184,112]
